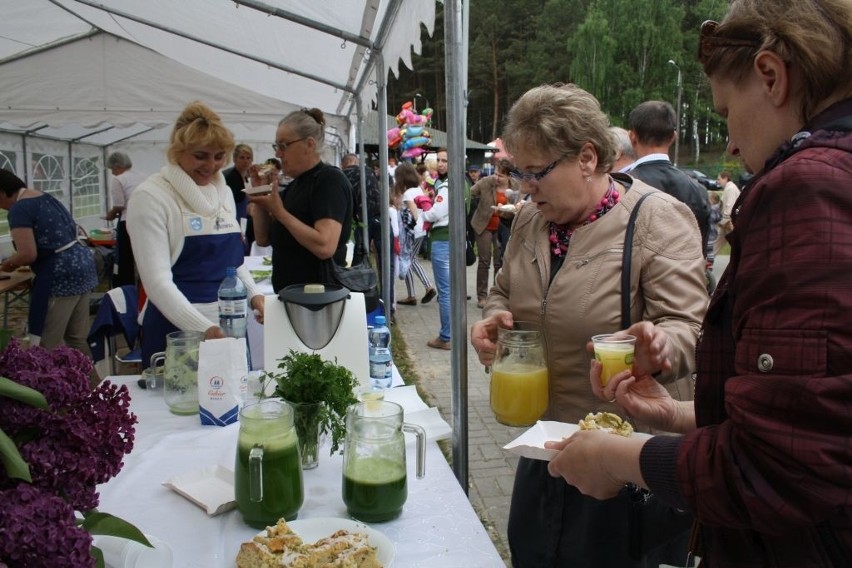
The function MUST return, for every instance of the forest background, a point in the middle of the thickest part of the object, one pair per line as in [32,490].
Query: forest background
[622,51]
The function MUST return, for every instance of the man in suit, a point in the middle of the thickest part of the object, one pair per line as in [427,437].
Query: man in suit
[653,129]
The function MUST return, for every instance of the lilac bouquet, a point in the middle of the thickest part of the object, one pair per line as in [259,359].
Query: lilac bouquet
[59,439]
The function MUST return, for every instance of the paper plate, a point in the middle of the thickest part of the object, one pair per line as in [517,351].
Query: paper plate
[258,190]
[530,444]
[311,530]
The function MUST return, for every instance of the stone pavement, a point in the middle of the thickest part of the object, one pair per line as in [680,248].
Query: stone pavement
[491,469]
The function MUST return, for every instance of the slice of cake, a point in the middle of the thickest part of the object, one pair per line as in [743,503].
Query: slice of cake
[281,547]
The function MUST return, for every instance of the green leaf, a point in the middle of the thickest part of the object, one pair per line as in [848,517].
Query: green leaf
[98,555]
[15,465]
[21,393]
[307,377]
[106,524]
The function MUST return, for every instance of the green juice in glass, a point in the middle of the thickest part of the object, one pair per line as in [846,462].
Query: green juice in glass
[283,491]
[374,489]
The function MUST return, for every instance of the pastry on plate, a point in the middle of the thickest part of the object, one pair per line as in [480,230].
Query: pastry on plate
[279,546]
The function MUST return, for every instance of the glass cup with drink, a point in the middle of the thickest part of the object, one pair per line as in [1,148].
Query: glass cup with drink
[615,354]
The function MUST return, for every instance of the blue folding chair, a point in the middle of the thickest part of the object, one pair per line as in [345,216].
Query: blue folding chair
[117,314]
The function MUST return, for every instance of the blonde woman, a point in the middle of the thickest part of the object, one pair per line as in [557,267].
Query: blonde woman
[185,234]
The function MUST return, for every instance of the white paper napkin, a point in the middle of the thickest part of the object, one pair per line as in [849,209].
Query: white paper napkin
[211,488]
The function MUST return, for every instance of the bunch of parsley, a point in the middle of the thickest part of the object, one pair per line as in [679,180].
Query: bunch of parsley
[308,378]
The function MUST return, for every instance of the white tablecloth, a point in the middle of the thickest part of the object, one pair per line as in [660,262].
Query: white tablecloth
[438,526]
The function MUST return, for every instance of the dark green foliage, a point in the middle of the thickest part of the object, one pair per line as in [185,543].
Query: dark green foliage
[307,377]
[616,49]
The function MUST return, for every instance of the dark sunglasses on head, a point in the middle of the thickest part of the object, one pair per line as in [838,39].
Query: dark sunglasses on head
[709,41]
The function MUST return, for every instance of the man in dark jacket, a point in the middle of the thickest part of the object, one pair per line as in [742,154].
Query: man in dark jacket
[653,129]
[351,165]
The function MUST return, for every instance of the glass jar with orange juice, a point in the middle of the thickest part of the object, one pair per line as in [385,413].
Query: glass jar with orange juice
[519,376]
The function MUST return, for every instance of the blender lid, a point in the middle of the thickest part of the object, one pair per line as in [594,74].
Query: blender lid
[313,296]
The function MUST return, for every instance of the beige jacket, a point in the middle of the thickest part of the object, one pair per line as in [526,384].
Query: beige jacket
[668,287]
[486,190]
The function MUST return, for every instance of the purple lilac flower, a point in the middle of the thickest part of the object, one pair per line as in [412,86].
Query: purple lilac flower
[38,530]
[77,444]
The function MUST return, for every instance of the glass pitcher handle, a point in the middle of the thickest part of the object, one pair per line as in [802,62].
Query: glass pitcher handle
[420,434]
[158,359]
[256,474]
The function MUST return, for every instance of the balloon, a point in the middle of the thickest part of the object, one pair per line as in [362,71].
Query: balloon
[413,152]
[412,131]
[394,137]
[415,142]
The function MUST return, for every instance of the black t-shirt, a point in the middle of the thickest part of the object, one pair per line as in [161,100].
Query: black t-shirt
[322,192]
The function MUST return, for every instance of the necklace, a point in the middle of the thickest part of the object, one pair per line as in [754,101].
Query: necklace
[560,235]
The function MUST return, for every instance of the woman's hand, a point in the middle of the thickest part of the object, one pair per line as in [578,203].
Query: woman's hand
[642,398]
[597,463]
[258,304]
[214,332]
[271,202]
[653,350]
[483,335]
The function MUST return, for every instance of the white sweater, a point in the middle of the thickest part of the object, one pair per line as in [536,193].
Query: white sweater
[155,222]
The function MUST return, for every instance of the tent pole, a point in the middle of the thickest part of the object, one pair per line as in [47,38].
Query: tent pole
[362,165]
[454,65]
[382,102]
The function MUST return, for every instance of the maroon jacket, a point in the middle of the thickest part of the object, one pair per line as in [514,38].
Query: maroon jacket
[768,473]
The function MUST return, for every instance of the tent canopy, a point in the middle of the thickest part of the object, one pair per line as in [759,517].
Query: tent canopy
[130,64]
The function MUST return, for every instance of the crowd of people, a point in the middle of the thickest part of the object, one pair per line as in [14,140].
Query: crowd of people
[744,393]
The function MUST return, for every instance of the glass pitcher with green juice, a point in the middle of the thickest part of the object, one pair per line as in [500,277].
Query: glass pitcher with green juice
[375,484]
[268,472]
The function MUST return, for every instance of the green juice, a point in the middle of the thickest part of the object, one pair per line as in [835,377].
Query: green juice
[283,491]
[374,489]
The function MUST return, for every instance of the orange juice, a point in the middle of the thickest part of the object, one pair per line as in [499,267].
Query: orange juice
[614,358]
[519,394]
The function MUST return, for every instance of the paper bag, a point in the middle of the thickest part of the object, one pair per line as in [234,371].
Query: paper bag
[222,363]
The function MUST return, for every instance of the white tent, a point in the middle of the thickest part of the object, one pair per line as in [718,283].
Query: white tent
[81,78]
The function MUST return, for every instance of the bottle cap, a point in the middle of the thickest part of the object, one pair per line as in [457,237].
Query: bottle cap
[380,320]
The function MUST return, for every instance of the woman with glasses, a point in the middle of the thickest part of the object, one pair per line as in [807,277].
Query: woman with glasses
[563,269]
[185,233]
[309,222]
[764,459]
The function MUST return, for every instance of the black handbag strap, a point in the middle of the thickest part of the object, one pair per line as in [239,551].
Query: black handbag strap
[626,262]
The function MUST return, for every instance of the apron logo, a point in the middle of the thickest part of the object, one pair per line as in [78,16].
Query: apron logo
[195,224]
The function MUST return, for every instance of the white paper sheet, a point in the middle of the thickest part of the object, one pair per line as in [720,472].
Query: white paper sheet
[211,488]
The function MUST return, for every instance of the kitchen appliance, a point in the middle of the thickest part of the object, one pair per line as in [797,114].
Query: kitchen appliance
[317,318]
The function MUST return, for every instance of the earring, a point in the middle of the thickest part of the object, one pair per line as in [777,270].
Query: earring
[589,179]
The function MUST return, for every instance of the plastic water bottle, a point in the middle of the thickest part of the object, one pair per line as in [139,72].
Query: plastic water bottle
[381,361]
[233,305]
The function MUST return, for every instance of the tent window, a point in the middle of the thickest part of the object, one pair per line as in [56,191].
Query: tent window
[48,174]
[85,183]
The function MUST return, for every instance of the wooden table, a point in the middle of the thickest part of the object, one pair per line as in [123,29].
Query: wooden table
[15,287]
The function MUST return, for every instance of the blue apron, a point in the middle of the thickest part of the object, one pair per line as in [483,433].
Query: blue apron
[198,271]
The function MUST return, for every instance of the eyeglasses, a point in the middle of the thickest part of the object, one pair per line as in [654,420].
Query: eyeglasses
[281,146]
[709,42]
[536,176]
